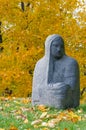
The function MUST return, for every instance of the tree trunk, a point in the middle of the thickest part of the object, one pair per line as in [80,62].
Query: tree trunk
[0,33]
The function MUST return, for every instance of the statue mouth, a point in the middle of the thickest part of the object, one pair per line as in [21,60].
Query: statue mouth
[59,54]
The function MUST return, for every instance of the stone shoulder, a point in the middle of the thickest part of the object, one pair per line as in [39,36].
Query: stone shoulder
[72,61]
[38,65]
[40,61]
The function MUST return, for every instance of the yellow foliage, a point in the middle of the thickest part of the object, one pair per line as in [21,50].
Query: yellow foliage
[24,33]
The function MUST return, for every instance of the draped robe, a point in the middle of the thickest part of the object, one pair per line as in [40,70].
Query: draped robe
[56,83]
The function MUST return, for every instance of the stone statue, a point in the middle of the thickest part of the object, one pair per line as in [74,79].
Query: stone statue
[56,77]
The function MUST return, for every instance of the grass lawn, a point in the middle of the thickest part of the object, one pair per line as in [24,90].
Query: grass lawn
[18,114]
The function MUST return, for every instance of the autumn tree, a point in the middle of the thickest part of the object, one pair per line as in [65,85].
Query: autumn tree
[25,25]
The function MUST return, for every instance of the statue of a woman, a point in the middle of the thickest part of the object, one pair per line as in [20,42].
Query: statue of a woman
[56,77]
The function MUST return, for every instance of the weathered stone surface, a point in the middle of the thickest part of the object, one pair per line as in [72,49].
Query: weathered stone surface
[56,77]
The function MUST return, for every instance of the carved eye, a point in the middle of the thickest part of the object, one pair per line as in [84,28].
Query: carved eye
[56,45]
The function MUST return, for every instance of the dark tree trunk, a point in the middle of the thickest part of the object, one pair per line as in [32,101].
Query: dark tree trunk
[22,6]
[0,33]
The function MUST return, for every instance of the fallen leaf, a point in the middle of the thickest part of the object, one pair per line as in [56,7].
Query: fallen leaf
[65,128]
[52,121]
[44,124]
[45,129]
[36,122]
[26,121]
[13,98]
[2,129]
[7,105]
[22,116]
[48,116]
[25,109]
[2,98]
[43,115]
[35,126]
[51,124]
[13,128]
[42,108]
[75,119]
[26,101]
[1,108]
[18,112]
[80,111]
[85,115]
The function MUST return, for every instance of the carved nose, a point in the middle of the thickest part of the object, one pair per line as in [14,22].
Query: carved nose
[59,50]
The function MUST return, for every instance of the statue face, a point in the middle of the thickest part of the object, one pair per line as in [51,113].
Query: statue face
[57,49]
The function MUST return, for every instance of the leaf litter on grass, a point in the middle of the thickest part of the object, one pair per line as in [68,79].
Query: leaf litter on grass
[53,119]
[25,116]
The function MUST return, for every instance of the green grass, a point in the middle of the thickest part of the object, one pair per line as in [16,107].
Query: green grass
[18,114]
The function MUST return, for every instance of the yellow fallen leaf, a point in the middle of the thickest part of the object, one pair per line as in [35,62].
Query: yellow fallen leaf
[13,128]
[65,128]
[18,112]
[45,129]
[35,126]
[42,108]
[53,116]
[2,98]
[26,121]
[43,115]
[2,129]
[13,98]
[71,113]
[7,105]
[36,122]
[48,116]
[26,101]
[76,118]
[83,118]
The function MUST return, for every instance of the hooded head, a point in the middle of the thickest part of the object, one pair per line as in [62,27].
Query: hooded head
[54,46]
[54,49]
